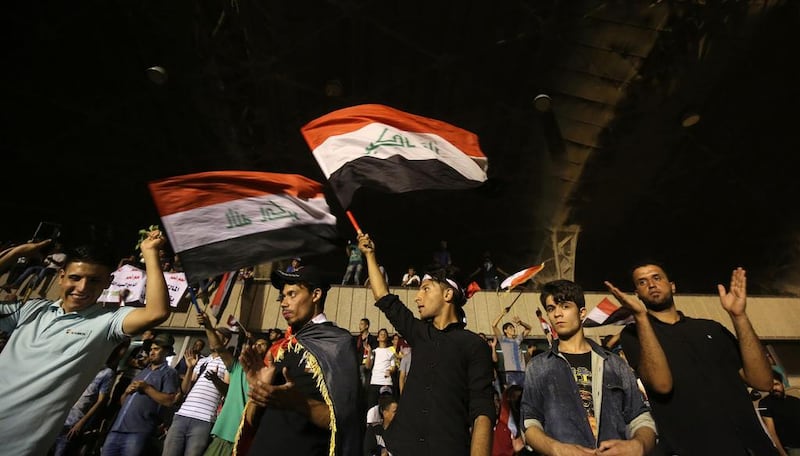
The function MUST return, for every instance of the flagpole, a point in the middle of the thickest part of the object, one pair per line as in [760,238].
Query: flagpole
[513,302]
[193,298]
[353,222]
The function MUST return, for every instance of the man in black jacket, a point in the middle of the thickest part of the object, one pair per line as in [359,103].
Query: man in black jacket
[304,400]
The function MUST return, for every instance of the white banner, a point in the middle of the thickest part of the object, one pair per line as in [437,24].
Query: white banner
[176,285]
[129,282]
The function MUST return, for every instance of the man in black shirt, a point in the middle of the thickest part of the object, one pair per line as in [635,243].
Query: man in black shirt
[695,370]
[304,401]
[781,415]
[447,405]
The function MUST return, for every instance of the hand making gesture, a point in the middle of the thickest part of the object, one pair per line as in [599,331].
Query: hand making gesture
[627,301]
[734,300]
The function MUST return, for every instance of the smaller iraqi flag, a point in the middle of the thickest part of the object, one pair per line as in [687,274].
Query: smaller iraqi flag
[607,313]
[222,221]
[223,294]
[518,278]
[382,148]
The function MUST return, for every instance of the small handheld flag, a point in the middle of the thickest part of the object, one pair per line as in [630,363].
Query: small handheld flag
[520,277]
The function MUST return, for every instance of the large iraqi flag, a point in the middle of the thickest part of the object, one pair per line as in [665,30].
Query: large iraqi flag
[379,147]
[221,221]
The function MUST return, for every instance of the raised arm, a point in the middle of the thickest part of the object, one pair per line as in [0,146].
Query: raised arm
[496,322]
[653,366]
[189,377]
[376,280]
[756,370]
[214,341]
[526,328]
[10,256]
[156,309]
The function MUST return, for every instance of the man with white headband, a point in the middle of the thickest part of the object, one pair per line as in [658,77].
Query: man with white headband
[447,406]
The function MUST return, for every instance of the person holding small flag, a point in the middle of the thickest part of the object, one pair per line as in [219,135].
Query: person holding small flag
[447,404]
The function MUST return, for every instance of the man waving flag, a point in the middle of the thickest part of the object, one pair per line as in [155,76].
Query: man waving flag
[382,148]
[225,220]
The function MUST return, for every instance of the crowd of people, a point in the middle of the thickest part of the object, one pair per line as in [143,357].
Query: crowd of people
[89,378]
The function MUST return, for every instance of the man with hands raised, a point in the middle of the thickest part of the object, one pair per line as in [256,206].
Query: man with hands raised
[695,370]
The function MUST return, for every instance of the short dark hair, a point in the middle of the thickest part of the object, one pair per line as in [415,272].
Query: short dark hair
[365,320]
[508,325]
[648,262]
[443,278]
[777,375]
[563,290]
[99,254]
[385,401]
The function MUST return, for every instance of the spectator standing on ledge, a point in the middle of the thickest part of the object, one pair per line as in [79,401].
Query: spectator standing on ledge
[355,265]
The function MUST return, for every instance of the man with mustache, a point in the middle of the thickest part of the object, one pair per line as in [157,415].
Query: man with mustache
[304,400]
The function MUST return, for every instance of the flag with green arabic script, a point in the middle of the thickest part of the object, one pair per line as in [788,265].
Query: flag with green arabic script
[222,221]
[379,147]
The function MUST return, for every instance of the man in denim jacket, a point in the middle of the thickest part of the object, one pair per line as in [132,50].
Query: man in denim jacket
[580,398]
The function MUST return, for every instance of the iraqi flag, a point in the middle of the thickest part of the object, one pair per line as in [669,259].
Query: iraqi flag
[607,313]
[225,220]
[518,278]
[379,147]
[223,293]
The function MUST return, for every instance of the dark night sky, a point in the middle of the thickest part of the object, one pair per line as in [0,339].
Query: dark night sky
[83,131]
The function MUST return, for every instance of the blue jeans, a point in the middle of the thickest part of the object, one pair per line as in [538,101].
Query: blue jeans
[125,443]
[187,436]
[353,268]
[515,378]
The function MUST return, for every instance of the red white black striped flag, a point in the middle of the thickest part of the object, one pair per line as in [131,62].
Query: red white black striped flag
[607,313]
[224,220]
[379,147]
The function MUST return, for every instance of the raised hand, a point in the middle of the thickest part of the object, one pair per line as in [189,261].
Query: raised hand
[734,300]
[191,358]
[202,320]
[153,242]
[627,301]
[365,244]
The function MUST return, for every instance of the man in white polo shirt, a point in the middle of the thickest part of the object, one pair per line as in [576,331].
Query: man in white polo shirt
[56,348]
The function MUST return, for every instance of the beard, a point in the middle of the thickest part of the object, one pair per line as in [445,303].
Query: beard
[659,305]
[777,394]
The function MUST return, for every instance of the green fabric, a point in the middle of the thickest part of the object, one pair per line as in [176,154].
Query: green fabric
[219,447]
[231,414]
